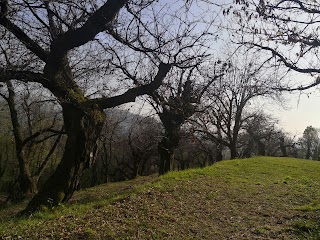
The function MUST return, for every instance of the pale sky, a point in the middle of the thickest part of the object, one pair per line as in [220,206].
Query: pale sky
[301,108]
[302,111]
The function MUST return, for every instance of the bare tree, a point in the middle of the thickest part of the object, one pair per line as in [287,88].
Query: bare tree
[74,49]
[175,104]
[6,139]
[227,99]
[25,144]
[310,142]
[261,128]
[175,101]
[287,32]
[142,140]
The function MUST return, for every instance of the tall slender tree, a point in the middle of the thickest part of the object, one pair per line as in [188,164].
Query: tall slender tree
[25,143]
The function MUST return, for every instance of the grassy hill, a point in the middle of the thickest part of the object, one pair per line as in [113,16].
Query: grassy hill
[257,198]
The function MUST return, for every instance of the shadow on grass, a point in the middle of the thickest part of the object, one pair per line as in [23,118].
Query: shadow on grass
[307,229]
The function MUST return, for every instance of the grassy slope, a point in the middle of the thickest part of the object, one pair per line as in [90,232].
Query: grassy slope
[257,198]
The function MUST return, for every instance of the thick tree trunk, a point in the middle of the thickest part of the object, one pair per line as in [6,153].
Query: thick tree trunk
[83,127]
[211,158]
[233,151]
[136,166]
[142,169]
[166,150]
[166,155]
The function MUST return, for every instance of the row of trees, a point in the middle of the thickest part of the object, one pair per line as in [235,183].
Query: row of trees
[72,49]
[128,147]
[83,58]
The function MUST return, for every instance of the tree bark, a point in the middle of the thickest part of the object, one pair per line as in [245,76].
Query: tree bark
[83,127]
[166,148]
[233,150]
[83,117]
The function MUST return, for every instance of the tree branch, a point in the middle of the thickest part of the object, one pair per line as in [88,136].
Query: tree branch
[24,38]
[95,24]
[285,62]
[24,76]
[291,66]
[298,2]
[35,135]
[46,161]
[131,94]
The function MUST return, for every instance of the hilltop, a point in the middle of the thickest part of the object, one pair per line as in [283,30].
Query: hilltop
[256,198]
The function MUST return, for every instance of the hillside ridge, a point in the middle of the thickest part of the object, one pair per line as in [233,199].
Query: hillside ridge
[256,198]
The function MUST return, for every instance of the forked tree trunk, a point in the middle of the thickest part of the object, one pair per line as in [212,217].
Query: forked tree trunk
[83,127]
[28,184]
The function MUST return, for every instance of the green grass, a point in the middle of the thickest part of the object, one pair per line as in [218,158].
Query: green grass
[257,198]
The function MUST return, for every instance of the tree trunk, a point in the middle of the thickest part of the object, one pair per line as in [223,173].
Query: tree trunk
[211,158]
[248,149]
[166,155]
[166,150]
[283,147]
[136,166]
[143,164]
[28,185]
[308,154]
[83,127]
[219,155]
[233,151]
[261,148]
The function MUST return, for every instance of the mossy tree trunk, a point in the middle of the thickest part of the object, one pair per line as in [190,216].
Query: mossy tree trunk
[83,127]
[233,152]
[83,117]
